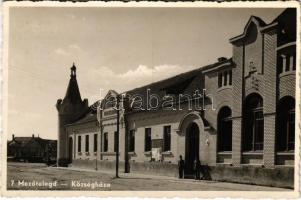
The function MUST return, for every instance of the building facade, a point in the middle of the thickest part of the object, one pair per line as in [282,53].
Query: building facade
[31,149]
[236,115]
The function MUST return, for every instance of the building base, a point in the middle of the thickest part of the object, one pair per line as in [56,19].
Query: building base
[63,162]
[281,176]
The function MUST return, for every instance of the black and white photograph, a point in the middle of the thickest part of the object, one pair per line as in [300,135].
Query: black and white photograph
[152,98]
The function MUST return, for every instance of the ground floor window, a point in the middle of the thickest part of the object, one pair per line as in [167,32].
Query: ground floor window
[285,139]
[105,142]
[148,139]
[132,141]
[253,123]
[115,141]
[87,143]
[79,144]
[95,142]
[167,138]
[224,136]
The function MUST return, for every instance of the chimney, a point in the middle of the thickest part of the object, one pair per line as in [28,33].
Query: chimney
[32,135]
[221,59]
[13,136]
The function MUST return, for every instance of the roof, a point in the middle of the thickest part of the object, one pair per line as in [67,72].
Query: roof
[23,141]
[286,21]
[87,117]
[252,20]
[287,26]
[220,65]
[20,140]
[184,83]
[284,14]
[73,94]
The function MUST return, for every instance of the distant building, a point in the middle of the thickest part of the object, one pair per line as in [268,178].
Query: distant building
[249,137]
[32,149]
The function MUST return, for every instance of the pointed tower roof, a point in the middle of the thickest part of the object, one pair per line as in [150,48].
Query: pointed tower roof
[73,94]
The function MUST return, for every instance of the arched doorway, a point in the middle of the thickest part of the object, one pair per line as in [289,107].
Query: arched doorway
[192,146]
[70,149]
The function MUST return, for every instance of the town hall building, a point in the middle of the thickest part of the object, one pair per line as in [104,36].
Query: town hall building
[243,129]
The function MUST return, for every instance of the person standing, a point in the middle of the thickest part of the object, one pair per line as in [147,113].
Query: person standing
[181,165]
[197,169]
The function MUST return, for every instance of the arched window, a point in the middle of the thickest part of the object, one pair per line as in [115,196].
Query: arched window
[253,123]
[285,138]
[224,124]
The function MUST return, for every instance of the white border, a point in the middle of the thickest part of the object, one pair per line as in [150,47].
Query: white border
[184,194]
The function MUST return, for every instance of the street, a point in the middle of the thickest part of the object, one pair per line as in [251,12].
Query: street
[30,176]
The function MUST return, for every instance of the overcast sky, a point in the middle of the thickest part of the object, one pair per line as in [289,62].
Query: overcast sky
[113,48]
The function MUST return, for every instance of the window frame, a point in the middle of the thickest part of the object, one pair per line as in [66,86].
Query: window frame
[95,144]
[225,78]
[79,143]
[131,140]
[285,140]
[105,142]
[147,139]
[253,138]
[87,143]
[167,138]
[224,122]
[115,141]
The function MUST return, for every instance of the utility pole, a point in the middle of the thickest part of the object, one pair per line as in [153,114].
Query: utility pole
[117,136]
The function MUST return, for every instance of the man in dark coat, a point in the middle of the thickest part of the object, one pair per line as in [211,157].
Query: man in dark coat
[181,165]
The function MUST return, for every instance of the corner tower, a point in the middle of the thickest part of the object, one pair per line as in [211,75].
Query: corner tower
[69,110]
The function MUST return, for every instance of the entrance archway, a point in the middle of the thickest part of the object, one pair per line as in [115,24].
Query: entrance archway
[70,149]
[192,146]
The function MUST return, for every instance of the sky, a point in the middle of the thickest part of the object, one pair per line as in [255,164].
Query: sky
[113,48]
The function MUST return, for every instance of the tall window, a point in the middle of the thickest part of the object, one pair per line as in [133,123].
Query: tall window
[286,62]
[79,144]
[253,123]
[220,80]
[224,135]
[105,142]
[225,78]
[132,141]
[87,143]
[230,77]
[148,139]
[95,143]
[115,141]
[286,124]
[167,138]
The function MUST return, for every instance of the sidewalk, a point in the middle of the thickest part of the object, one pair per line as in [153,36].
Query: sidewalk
[134,175]
[216,184]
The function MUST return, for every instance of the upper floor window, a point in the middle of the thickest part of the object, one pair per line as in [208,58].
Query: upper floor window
[167,138]
[148,139]
[87,143]
[220,80]
[287,62]
[224,78]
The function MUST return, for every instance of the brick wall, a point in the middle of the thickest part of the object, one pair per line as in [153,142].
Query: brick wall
[269,97]
[238,59]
